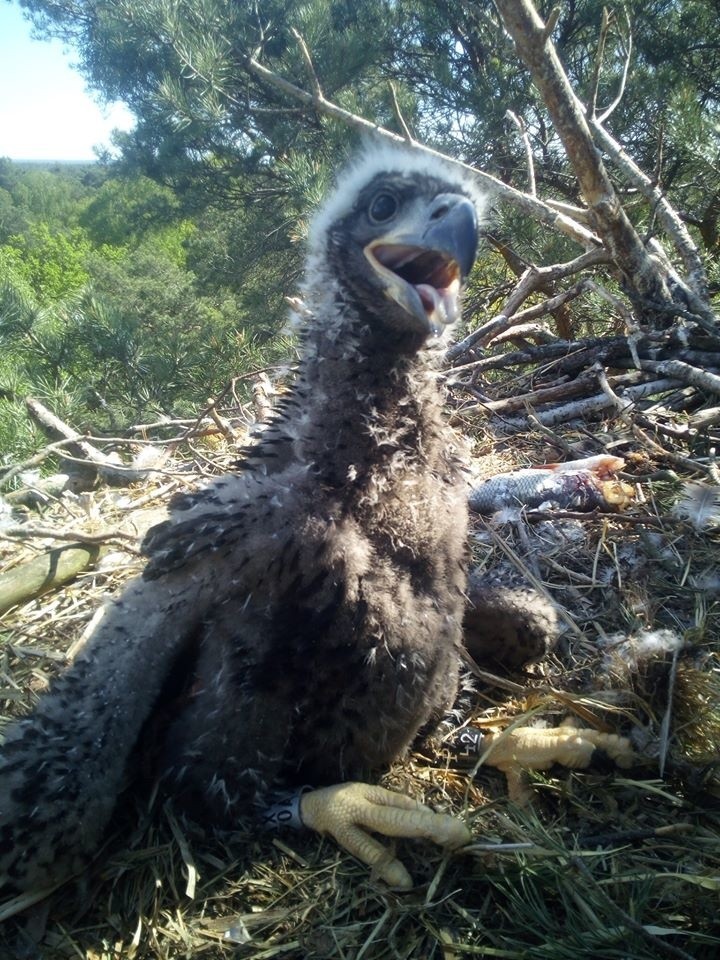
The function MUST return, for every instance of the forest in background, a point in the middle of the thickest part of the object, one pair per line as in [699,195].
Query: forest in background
[136,288]
[117,304]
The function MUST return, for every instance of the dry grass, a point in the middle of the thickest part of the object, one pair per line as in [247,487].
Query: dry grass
[603,864]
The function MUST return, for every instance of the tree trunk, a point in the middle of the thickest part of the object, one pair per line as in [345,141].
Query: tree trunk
[645,278]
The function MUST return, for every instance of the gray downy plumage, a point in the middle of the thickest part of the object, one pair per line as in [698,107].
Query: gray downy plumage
[314,598]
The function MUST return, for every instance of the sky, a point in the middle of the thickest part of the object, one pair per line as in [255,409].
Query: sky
[46,112]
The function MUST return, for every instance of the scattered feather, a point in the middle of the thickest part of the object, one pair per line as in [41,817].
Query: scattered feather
[629,654]
[149,458]
[700,504]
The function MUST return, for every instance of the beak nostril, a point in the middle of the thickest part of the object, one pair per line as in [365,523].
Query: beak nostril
[440,212]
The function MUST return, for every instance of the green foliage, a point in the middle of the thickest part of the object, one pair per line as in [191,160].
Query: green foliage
[106,321]
[124,210]
[19,436]
[40,194]
[221,138]
[168,346]
[51,263]
[12,219]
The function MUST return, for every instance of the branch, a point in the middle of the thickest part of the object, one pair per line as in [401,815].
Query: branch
[532,279]
[523,334]
[562,391]
[514,118]
[308,63]
[643,275]
[53,424]
[622,406]
[11,472]
[398,115]
[568,350]
[667,215]
[623,80]
[36,577]
[599,57]
[580,214]
[490,330]
[109,468]
[684,372]
[23,531]
[533,206]
[593,405]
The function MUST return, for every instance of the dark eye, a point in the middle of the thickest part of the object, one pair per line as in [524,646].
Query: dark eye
[383,207]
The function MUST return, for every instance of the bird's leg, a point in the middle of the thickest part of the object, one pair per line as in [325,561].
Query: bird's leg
[533,748]
[510,626]
[348,811]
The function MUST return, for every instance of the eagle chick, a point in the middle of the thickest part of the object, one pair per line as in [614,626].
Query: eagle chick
[317,593]
[312,601]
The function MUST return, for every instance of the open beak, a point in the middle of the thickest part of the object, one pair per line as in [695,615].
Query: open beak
[424,264]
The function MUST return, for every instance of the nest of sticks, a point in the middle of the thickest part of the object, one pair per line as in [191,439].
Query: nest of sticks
[601,863]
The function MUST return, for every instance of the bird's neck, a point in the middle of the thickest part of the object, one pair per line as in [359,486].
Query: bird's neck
[368,405]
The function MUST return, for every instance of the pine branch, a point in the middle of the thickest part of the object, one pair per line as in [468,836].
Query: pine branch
[533,206]
[649,279]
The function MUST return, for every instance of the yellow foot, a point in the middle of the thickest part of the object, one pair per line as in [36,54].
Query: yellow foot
[348,810]
[533,748]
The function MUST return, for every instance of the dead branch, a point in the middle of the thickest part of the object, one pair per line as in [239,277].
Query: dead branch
[530,282]
[685,373]
[45,489]
[503,321]
[220,422]
[646,278]
[533,206]
[581,214]
[615,302]
[525,140]
[577,388]
[552,303]
[706,418]
[44,573]
[28,532]
[621,405]
[310,66]
[668,217]
[679,460]
[105,465]
[589,406]
[610,109]
[108,467]
[524,333]
[599,57]
[563,391]
[161,425]
[399,115]
[567,349]
[11,472]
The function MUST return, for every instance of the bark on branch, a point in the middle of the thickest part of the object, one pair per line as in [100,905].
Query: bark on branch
[532,280]
[533,206]
[645,277]
[45,573]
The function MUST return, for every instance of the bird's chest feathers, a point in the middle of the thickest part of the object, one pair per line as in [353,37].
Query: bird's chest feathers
[376,603]
[397,481]
[366,654]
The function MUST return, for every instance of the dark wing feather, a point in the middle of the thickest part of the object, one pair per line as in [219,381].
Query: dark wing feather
[170,545]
